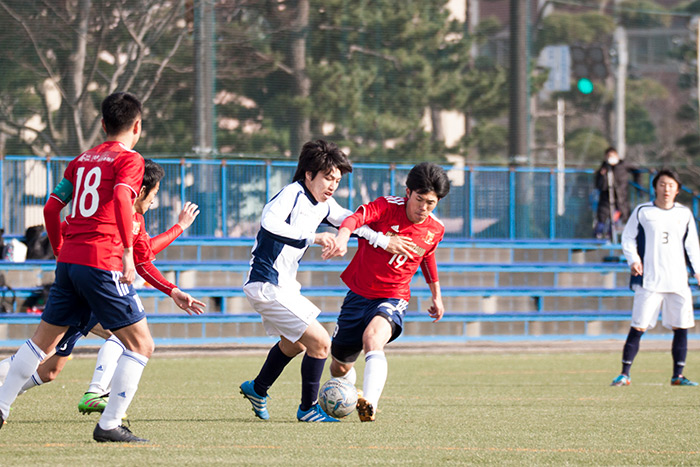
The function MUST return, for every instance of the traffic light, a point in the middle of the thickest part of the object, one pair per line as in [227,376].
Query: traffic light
[589,63]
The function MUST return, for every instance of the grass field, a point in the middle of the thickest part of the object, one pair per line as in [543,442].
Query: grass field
[454,409]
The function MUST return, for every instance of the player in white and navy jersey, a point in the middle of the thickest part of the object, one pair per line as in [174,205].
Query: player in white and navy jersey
[288,227]
[660,242]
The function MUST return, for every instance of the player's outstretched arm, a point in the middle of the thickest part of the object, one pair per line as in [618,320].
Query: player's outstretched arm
[187,302]
[187,216]
[437,309]
[183,300]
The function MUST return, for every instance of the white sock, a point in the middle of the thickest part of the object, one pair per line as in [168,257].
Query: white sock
[126,382]
[4,368]
[376,371]
[350,376]
[32,382]
[107,359]
[24,364]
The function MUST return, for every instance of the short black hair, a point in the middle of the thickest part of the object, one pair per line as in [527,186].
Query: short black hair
[119,111]
[669,173]
[321,156]
[426,177]
[609,150]
[152,174]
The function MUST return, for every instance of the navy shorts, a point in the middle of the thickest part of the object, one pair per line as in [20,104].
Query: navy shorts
[65,346]
[355,314]
[79,291]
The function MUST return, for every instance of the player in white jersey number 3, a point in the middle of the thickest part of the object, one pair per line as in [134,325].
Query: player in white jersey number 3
[659,242]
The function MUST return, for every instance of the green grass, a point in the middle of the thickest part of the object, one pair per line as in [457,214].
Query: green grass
[520,409]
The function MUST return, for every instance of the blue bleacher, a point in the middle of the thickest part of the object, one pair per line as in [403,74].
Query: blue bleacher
[498,262]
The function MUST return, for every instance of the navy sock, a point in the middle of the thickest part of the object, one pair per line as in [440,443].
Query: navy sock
[630,350]
[679,350]
[311,372]
[271,370]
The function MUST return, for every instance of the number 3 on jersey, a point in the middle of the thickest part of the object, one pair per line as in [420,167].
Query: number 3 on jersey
[85,189]
[398,260]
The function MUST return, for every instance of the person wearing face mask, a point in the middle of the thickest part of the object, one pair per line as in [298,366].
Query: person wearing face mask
[611,180]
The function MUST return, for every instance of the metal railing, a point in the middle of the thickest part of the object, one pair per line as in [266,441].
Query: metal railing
[502,203]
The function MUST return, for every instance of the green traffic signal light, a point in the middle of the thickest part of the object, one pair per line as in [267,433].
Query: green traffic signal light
[585,85]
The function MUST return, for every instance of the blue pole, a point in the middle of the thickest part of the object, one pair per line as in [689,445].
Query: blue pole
[48,178]
[268,175]
[350,188]
[511,206]
[224,199]
[392,178]
[470,205]
[552,205]
[182,182]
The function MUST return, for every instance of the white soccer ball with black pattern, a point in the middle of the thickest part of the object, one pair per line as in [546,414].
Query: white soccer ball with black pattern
[337,397]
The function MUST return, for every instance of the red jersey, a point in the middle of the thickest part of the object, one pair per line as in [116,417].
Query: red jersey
[92,237]
[375,273]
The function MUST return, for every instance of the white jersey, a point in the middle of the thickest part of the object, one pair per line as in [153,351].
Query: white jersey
[662,239]
[288,227]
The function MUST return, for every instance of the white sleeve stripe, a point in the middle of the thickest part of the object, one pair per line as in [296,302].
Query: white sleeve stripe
[128,186]
[364,213]
[52,195]
[152,280]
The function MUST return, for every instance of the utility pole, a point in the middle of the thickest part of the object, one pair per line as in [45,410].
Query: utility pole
[204,71]
[620,38]
[517,121]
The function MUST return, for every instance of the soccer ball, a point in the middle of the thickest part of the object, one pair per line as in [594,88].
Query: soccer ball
[337,397]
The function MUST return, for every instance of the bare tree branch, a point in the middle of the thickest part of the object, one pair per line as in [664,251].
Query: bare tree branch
[13,128]
[163,65]
[35,44]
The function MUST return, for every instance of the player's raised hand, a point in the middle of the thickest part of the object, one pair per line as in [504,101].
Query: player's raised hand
[636,269]
[188,214]
[401,246]
[187,302]
[128,268]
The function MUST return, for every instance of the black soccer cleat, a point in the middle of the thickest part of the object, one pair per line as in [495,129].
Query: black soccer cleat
[120,434]
[2,420]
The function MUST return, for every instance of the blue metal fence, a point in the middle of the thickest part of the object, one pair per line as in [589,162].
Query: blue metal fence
[484,202]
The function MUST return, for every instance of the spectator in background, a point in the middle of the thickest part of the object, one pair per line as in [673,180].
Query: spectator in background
[612,180]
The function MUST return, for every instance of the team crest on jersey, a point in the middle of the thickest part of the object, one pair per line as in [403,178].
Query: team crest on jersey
[135,227]
[429,238]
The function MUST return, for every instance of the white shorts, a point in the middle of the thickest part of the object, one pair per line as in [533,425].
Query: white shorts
[676,309]
[284,312]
